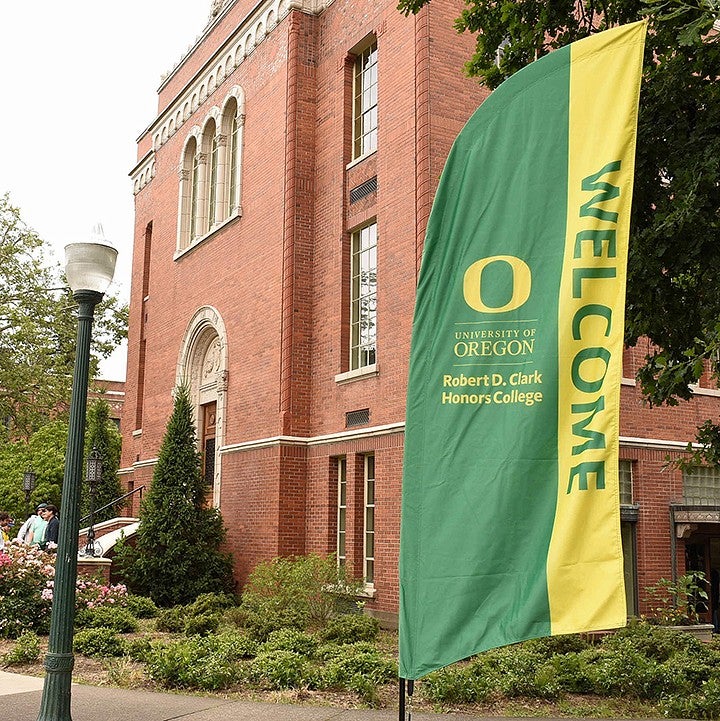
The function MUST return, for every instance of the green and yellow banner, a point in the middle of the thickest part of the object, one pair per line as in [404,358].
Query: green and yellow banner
[510,509]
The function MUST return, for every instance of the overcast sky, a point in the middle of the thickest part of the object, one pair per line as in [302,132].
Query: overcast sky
[78,81]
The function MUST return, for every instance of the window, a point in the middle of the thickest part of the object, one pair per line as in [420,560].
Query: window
[626,489]
[210,172]
[363,297]
[341,511]
[188,194]
[701,486]
[232,130]
[627,533]
[369,530]
[365,116]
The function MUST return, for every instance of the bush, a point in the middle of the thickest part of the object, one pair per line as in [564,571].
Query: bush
[212,603]
[171,620]
[372,666]
[142,606]
[350,628]
[206,663]
[456,684]
[280,669]
[329,651]
[26,650]
[290,639]
[26,575]
[202,625]
[117,619]
[100,642]
[656,642]
[299,591]
[704,703]
[553,645]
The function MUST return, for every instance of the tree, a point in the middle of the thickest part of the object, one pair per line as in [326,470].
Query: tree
[672,295]
[177,556]
[102,435]
[45,452]
[38,329]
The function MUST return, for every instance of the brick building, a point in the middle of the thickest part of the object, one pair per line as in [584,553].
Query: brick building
[281,195]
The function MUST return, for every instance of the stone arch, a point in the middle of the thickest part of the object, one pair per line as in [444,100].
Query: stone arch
[202,365]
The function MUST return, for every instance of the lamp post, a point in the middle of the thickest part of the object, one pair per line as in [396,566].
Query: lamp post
[89,268]
[93,475]
[29,479]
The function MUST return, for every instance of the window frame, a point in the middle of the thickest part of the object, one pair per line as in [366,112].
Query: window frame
[369,505]
[363,344]
[365,101]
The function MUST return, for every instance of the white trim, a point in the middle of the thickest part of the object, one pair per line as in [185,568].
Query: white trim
[201,239]
[368,371]
[700,391]
[275,441]
[360,159]
[628,382]
[145,464]
[654,443]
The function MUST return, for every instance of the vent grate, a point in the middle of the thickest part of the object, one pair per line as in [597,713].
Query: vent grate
[357,418]
[363,190]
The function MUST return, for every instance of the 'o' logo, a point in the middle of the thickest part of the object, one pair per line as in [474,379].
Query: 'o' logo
[522,282]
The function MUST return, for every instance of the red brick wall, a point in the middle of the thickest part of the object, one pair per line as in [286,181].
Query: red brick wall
[278,277]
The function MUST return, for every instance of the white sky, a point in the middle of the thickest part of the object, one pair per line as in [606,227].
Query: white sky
[78,84]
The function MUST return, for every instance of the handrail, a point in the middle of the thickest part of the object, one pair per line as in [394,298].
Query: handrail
[112,503]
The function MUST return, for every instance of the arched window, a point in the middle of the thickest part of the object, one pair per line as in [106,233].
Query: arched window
[188,194]
[210,154]
[232,130]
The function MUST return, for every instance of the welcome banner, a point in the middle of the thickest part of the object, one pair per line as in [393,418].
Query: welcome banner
[510,508]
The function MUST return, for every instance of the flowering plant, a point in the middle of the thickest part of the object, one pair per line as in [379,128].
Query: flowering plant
[26,590]
[24,573]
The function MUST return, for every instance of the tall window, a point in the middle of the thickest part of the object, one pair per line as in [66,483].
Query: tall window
[628,520]
[363,297]
[233,146]
[369,553]
[341,511]
[212,181]
[195,198]
[365,116]
[208,187]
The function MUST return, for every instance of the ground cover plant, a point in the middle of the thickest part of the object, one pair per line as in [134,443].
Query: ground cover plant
[341,656]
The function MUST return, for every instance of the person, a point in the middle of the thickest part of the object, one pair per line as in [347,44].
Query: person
[50,514]
[6,523]
[24,535]
[36,535]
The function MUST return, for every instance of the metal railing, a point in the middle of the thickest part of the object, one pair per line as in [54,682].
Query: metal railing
[113,503]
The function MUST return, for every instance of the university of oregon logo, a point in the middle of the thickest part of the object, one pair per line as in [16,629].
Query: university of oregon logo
[472,283]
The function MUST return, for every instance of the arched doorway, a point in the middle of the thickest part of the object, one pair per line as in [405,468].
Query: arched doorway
[203,366]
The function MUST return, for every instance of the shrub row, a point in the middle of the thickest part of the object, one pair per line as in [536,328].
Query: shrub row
[641,661]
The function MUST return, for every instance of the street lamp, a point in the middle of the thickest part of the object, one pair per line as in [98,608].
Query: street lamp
[89,268]
[93,476]
[29,479]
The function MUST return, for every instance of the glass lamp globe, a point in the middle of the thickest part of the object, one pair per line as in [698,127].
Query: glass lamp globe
[90,265]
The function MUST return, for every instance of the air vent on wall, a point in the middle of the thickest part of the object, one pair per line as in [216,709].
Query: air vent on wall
[363,190]
[357,418]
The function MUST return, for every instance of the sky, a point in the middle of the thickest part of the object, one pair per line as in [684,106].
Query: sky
[78,84]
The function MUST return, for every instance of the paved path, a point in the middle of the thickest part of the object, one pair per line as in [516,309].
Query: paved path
[20,701]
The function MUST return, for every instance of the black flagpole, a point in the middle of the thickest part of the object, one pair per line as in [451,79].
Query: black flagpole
[401,705]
